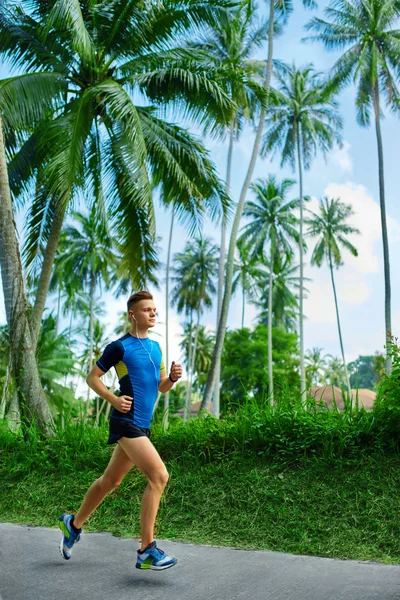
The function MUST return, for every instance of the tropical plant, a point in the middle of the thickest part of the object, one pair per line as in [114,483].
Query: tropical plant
[89,258]
[244,365]
[56,361]
[302,118]
[272,228]
[230,44]
[167,277]
[364,371]
[72,105]
[285,296]
[315,366]
[194,275]
[245,274]
[30,396]
[334,372]
[365,30]
[284,7]
[331,228]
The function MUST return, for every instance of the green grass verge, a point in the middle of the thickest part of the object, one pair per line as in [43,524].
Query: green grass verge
[342,509]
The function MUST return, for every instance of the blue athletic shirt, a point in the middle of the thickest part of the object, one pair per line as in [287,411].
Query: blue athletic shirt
[138,377]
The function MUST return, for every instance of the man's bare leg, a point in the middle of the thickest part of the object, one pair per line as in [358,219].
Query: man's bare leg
[143,454]
[116,470]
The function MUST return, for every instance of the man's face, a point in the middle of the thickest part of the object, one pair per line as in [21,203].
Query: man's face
[145,312]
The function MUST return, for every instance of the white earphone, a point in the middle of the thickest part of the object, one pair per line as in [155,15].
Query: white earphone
[149,353]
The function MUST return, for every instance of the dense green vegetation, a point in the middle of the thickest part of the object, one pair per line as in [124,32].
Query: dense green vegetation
[287,479]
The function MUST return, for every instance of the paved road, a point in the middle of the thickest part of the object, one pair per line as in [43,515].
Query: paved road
[102,568]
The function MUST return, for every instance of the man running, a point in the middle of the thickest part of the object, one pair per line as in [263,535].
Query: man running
[139,364]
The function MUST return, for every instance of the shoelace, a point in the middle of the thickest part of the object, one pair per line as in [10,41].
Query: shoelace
[158,553]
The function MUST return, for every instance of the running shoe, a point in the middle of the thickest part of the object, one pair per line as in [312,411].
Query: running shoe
[69,536]
[154,558]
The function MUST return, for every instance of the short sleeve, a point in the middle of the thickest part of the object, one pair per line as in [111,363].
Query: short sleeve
[162,363]
[112,355]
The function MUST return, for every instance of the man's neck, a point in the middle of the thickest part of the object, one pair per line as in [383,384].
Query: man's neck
[138,333]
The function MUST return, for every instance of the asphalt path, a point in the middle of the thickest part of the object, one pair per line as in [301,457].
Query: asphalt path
[103,567]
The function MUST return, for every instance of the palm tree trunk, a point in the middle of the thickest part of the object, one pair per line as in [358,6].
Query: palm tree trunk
[69,339]
[243,299]
[166,395]
[303,385]
[91,320]
[270,372]
[47,266]
[58,309]
[386,261]
[192,369]
[6,388]
[186,410]
[340,330]
[238,215]
[221,273]
[32,401]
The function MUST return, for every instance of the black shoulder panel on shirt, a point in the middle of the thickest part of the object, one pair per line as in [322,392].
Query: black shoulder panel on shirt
[113,354]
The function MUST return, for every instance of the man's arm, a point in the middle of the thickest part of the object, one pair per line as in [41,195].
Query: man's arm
[121,403]
[165,382]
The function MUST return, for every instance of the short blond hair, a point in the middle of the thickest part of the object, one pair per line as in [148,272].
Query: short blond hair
[137,297]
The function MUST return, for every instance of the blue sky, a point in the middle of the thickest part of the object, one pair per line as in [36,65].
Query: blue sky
[351,174]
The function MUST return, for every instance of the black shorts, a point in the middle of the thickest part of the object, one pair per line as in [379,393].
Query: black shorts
[125,428]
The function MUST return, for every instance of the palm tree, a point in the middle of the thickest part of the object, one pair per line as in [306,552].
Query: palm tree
[331,229]
[285,294]
[334,372]
[81,60]
[365,29]
[31,398]
[284,7]
[303,118]
[272,224]
[230,44]
[194,276]
[316,364]
[204,351]
[55,361]
[245,273]
[168,266]
[89,257]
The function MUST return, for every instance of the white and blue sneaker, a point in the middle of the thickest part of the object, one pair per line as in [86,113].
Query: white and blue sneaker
[69,536]
[154,558]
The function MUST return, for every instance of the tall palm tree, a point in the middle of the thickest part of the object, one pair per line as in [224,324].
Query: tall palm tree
[31,398]
[90,258]
[331,229]
[81,60]
[316,364]
[167,276]
[195,273]
[273,225]
[285,294]
[303,118]
[334,372]
[204,351]
[245,273]
[231,43]
[365,30]
[284,8]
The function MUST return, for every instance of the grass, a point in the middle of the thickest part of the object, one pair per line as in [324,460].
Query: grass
[289,480]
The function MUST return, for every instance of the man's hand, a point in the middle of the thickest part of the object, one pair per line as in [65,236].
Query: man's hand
[122,403]
[176,371]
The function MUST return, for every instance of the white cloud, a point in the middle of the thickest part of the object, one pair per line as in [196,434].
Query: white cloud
[342,157]
[367,219]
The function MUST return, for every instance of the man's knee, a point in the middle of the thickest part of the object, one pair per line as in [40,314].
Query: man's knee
[109,482]
[159,479]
